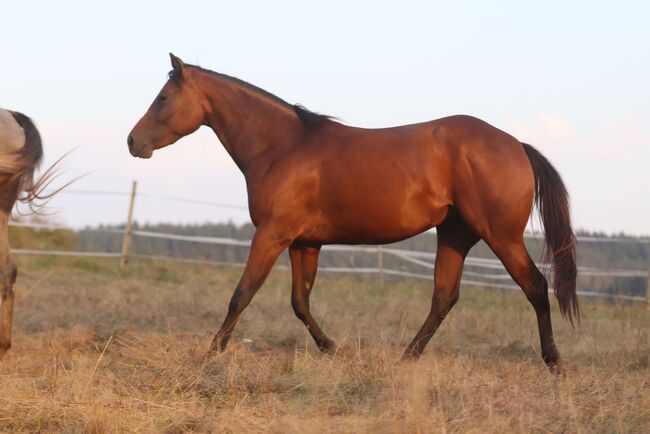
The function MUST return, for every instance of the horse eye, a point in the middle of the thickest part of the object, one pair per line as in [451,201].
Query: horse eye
[162,98]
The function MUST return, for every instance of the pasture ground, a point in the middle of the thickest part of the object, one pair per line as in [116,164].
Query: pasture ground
[97,350]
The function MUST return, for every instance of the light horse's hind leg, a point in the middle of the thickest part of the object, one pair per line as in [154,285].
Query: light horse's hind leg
[455,239]
[7,280]
[304,264]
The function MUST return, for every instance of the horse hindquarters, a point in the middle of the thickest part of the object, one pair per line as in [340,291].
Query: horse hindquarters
[499,210]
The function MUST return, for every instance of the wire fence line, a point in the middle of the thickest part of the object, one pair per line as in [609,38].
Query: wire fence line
[527,235]
[410,256]
[492,277]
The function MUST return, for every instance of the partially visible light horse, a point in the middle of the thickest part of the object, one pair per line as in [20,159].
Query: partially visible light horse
[313,181]
[20,154]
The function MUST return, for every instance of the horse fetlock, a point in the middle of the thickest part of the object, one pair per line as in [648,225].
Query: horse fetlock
[219,343]
[551,355]
[3,351]
[412,353]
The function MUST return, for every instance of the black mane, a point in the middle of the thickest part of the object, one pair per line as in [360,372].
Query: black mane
[310,118]
[307,117]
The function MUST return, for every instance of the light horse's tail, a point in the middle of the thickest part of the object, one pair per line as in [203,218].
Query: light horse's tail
[17,169]
[552,201]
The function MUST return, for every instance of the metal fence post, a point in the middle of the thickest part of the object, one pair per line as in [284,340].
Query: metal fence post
[380,265]
[126,242]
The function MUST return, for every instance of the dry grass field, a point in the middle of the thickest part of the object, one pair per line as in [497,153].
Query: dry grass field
[96,350]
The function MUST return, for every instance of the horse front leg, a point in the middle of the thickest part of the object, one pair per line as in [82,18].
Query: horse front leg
[265,249]
[8,278]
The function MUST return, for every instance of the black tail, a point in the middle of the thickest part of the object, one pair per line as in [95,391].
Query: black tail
[552,200]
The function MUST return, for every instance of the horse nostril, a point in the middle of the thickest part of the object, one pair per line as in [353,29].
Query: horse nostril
[130,141]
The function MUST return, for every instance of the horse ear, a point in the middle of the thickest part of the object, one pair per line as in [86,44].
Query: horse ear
[177,64]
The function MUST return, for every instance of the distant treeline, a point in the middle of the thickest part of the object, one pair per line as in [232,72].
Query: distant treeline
[633,255]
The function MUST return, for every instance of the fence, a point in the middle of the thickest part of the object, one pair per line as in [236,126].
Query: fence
[492,274]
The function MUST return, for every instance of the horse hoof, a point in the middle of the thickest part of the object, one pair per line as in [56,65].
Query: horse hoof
[410,355]
[555,368]
[327,346]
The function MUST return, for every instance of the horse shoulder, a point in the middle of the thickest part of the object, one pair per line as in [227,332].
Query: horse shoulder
[288,186]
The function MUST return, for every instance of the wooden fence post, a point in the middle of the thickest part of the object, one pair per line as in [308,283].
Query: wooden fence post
[380,265]
[126,242]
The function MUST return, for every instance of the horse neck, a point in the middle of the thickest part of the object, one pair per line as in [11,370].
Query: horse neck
[254,127]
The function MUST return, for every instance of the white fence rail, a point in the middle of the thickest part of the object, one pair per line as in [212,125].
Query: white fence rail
[418,258]
[493,275]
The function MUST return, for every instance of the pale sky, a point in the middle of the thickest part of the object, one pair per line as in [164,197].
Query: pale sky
[571,78]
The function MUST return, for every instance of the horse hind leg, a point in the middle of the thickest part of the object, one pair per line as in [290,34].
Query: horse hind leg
[455,239]
[523,270]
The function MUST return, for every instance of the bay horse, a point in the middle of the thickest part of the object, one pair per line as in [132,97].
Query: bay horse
[21,152]
[313,181]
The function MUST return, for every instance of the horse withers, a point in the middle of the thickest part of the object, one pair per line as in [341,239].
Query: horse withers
[313,181]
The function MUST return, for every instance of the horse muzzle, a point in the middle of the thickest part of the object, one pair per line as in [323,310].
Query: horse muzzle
[140,150]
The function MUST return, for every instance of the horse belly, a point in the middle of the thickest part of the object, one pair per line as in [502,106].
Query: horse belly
[375,221]
[380,190]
